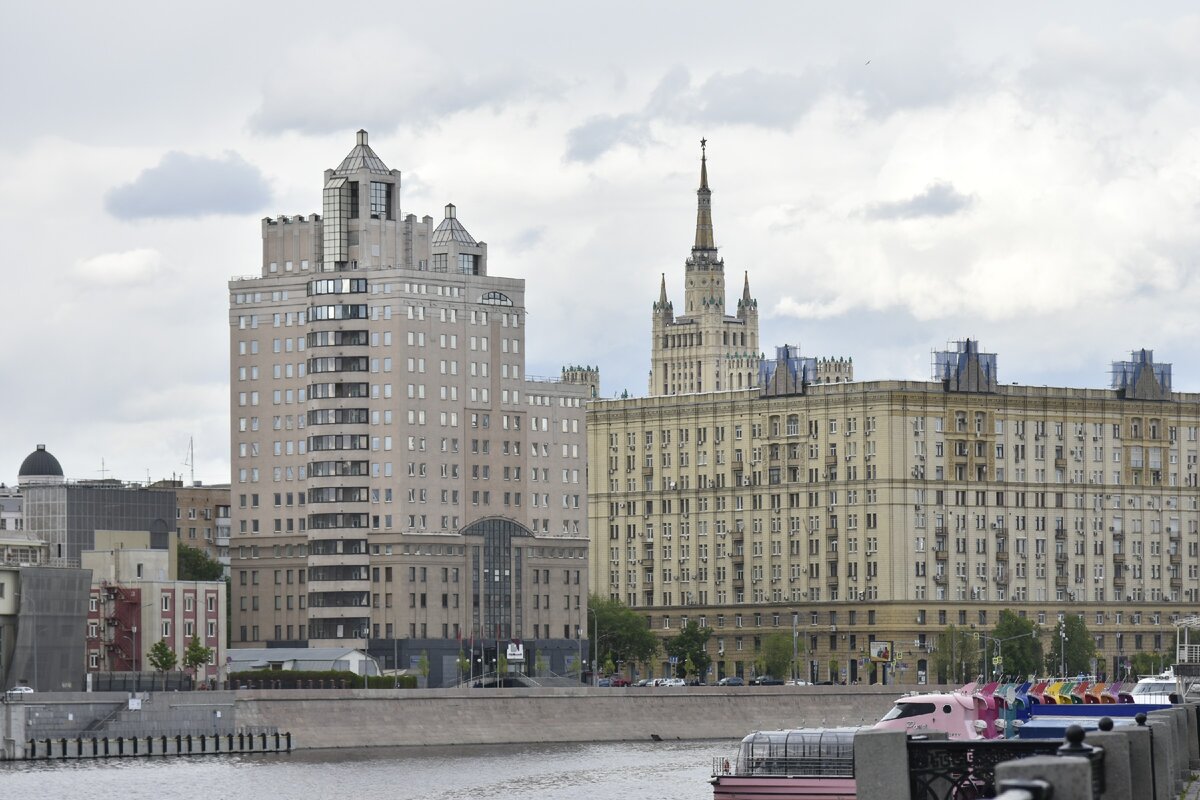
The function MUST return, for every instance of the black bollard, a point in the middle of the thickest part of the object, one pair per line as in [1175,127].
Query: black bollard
[1105,724]
[63,754]
[1140,719]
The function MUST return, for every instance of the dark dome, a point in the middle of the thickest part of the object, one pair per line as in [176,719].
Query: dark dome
[40,463]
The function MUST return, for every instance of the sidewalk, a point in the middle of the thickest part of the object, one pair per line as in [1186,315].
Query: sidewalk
[1192,792]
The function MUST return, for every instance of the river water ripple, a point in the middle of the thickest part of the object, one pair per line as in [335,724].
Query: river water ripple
[675,770]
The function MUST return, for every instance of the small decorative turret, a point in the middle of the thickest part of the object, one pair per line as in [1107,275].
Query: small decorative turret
[586,375]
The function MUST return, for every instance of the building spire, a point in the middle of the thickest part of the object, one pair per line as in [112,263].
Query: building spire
[746,290]
[662,293]
[704,227]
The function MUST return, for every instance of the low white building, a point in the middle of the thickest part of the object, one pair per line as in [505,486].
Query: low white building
[303,659]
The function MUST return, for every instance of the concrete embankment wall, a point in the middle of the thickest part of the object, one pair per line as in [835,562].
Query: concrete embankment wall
[370,718]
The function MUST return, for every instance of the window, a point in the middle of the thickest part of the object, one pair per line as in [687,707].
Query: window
[381,200]
[166,602]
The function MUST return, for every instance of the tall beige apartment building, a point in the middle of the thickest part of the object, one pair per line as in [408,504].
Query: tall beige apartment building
[842,513]
[398,480]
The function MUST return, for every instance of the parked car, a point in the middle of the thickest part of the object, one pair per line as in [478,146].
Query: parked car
[620,681]
[18,691]
[604,683]
[643,682]
[731,680]
[798,683]
[672,682]
[766,680]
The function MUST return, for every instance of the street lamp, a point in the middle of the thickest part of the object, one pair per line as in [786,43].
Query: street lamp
[795,647]
[1062,647]
[592,646]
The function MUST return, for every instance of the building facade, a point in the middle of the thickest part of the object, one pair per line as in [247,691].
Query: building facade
[396,474]
[133,606]
[202,518]
[65,515]
[843,513]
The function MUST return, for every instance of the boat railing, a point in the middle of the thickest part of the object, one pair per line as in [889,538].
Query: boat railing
[793,766]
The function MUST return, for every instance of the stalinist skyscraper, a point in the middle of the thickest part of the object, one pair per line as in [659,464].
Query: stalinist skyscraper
[704,349]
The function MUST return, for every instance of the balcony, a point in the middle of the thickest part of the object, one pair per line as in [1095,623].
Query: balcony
[1176,558]
[1060,558]
[1060,534]
[739,584]
[1002,555]
[941,553]
[1002,578]
[1060,581]
[1176,583]
[940,530]
[940,580]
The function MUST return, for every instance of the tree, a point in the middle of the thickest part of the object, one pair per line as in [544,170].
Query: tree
[775,658]
[1144,663]
[196,655]
[423,667]
[463,663]
[691,642]
[162,658]
[195,565]
[956,654]
[1022,652]
[541,664]
[1078,645]
[621,634]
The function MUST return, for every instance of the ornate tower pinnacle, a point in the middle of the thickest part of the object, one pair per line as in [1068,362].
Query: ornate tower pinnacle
[704,226]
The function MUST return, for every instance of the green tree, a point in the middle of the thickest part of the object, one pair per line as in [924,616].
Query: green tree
[1144,663]
[1070,635]
[621,634]
[423,667]
[196,655]
[956,654]
[541,664]
[691,642]
[195,565]
[1021,653]
[775,658]
[162,658]
[463,663]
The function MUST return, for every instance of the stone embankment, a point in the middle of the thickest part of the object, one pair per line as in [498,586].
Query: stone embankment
[356,718]
[365,718]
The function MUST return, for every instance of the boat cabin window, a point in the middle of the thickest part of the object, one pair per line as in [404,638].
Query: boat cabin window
[905,710]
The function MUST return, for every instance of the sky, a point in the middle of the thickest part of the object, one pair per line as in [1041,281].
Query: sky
[892,176]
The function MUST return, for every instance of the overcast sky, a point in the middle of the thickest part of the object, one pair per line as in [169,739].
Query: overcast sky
[892,175]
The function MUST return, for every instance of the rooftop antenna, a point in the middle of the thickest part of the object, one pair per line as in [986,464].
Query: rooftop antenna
[103,470]
[190,461]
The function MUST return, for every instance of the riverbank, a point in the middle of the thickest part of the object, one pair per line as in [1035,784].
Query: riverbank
[360,718]
[367,718]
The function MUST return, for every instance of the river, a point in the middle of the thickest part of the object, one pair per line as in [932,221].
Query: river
[677,770]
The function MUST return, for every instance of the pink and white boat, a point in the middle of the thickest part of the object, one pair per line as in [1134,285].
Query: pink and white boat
[810,763]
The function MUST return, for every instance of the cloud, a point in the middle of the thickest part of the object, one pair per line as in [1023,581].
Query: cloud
[412,86]
[184,185]
[130,266]
[600,134]
[772,100]
[939,199]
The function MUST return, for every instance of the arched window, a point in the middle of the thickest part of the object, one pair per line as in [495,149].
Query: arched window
[495,299]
